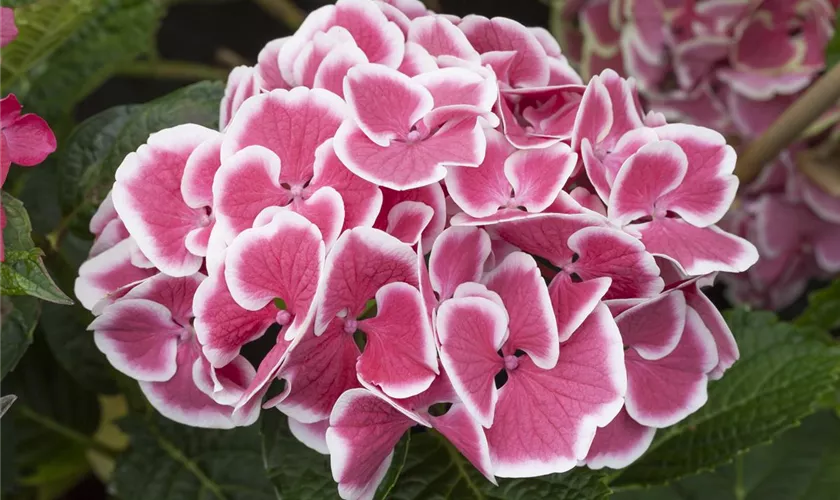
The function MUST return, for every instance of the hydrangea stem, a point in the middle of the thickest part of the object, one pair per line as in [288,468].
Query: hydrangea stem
[283,10]
[174,70]
[787,127]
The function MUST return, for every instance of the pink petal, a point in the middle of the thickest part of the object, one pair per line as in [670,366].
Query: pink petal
[8,30]
[471,330]
[727,348]
[107,272]
[546,419]
[29,139]
[481,191]
[528,67]
[318,371]
[609,252]
[457,257]
[654,328]
[334,68]
[362,261]
[411,164]
[147,195]
[462,430]
[694,59]
[647,176]
[201,167]
[663,392]
[417,60]
[708,188]
[312,435]
[595,114]
[361,438]
[176,294]
[382,41]
[400,355]
[268,70]
[179,398]
[440,37]
[104,215]
[139,338]
[223,326]
[602,168]
[9,110]
[762,86]
[431,195]
[362,199]
[245,184]
[384,102]
[620,443]
[108,237]
[292,124]
[544,235]
[697,250]
[574,302]
[458,86]
[324,208]
[283,259]
[224,385]
[408,219]
[538,175]
[532,325]
[242,83]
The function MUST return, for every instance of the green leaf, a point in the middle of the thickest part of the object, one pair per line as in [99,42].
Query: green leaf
[783,375]
[6,403]
[296,471]
[42,27]
[52,423]
[23,271]
[803,464]
[301,473]
[823,309]
[95,150]
[65,330]
[116,33]
[435,470]
[168,461]
[832,51]
[20,316]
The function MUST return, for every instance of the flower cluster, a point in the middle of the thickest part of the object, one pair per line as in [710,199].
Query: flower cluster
[25,140]
[732,65]
[735,66]
[795,225]
[433,222]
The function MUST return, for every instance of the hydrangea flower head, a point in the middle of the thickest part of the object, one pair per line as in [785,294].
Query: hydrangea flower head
[415,209]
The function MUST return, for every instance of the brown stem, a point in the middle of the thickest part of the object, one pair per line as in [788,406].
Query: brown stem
[787,127]
[283,10]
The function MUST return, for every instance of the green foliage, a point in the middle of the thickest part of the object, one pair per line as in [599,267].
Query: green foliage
[168,461]
[296,471]
[42,27]
[47,432]
[823,310]
[783,374]
[116,33]
[804,463]
[832,51]
[20,316]
[435,470]
[23,271]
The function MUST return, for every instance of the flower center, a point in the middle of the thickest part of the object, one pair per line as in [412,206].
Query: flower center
[351,325]
[283,318]
[511,362]
[413,136]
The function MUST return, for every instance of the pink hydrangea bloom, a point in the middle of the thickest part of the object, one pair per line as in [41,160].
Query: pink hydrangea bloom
[734,66]
[25,140]
[418,209]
